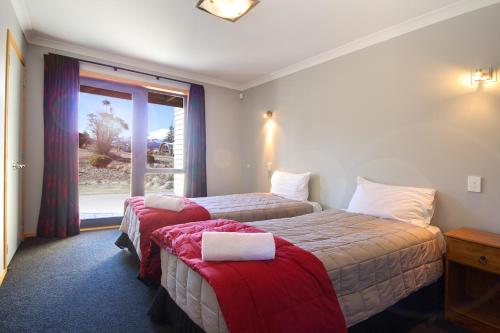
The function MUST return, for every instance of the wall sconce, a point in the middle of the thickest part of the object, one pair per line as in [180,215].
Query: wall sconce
[268,115]
[480,75]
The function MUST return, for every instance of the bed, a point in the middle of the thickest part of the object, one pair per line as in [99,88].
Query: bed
[239,207]
[372,262]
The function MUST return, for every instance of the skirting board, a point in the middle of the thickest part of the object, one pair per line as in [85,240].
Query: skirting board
[33,234]
[100,228]
[28,235]
[2,275]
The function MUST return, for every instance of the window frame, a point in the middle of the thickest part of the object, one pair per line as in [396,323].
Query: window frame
[138,188]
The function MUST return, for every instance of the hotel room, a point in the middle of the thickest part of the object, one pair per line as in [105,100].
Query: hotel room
[250,166]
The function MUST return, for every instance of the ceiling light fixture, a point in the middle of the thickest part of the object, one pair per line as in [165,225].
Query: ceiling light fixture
[230,10]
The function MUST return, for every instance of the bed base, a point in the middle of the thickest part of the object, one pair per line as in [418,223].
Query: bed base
[123,242]
[164,310]
[421,306]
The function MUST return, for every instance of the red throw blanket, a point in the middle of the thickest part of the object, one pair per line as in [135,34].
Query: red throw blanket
[152,219]
[291,293]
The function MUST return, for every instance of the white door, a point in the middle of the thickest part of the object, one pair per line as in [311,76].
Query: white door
[13,148]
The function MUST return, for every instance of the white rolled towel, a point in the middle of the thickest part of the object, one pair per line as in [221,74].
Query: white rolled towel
[164,202]
[235,246]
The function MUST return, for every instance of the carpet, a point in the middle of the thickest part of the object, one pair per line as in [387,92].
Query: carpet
[79,284]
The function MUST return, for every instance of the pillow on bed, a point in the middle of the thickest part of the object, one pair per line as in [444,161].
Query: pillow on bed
[293,186]
[407,204]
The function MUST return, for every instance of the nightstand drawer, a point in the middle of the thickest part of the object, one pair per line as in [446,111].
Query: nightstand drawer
[472,254]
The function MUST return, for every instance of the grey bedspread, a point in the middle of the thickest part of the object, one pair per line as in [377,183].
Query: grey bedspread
[252,207]
[372,263]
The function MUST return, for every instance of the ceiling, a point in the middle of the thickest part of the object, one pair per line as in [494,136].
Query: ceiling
[276,38]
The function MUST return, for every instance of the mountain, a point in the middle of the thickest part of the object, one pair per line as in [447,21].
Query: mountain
[158,134]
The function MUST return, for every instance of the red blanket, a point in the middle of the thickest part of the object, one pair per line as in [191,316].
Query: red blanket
[152,219]
[291,293]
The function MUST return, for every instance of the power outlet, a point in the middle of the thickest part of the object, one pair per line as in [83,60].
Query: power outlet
[474,184]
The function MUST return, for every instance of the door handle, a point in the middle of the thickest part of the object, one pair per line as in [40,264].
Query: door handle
[17,165]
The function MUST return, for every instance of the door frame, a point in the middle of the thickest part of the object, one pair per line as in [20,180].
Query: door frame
[11,43]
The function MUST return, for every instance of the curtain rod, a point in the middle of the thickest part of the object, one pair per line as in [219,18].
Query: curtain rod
[116,68]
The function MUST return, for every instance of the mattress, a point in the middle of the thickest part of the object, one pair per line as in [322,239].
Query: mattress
[239,207]
[373,263]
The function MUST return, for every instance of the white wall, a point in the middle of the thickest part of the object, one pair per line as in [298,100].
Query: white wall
[9,21]
[223,126]
[400,112]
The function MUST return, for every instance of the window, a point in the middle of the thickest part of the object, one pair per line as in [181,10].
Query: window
[131,143]
[165,147]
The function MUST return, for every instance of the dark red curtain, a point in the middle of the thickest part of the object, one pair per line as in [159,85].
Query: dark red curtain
[196,169]
[59,216]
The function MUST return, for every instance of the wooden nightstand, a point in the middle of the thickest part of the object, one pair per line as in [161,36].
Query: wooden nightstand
[472,295]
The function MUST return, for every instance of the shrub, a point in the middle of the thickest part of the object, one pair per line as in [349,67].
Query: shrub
[100,161]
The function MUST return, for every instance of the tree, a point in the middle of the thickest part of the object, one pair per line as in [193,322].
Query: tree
[170,136]
[83,139]
[106,127]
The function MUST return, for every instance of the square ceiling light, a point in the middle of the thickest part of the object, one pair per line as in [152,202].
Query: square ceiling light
[230,10]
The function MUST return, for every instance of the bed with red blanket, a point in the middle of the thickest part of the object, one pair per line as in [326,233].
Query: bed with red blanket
[140,221]
[371,263]
[291,293]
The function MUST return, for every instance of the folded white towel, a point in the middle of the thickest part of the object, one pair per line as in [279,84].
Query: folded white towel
[235,246]
[164,202]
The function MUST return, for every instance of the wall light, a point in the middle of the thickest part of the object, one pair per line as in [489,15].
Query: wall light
[268,115]
[230,10]
[480,75]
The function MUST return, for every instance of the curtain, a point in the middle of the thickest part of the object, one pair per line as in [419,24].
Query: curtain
[196,170]
[59,215]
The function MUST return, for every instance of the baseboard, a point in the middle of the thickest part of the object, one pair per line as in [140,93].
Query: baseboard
[100,228]
[2,275]
[29,235]
[33,234]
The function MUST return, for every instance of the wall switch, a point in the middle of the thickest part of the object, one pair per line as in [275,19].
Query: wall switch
[474,184]
[269,166]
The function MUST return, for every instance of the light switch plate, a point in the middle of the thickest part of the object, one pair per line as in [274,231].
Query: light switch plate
[474,184]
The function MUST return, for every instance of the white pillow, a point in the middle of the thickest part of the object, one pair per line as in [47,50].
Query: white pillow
[407,204]
[293,186]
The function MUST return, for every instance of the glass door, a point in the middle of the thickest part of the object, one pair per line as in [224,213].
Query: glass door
[105,155]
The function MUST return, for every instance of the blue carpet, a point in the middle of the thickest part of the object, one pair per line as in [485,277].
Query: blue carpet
[80,284]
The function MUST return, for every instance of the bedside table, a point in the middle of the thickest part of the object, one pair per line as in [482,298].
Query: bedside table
[472,293]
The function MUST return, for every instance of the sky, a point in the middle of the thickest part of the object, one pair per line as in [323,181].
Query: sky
[160,117]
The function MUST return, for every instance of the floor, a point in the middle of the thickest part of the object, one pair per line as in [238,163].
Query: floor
[86,284]
[94,206]
[80,284]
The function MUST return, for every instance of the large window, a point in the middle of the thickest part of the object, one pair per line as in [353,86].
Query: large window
[131,143]
[165,148]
